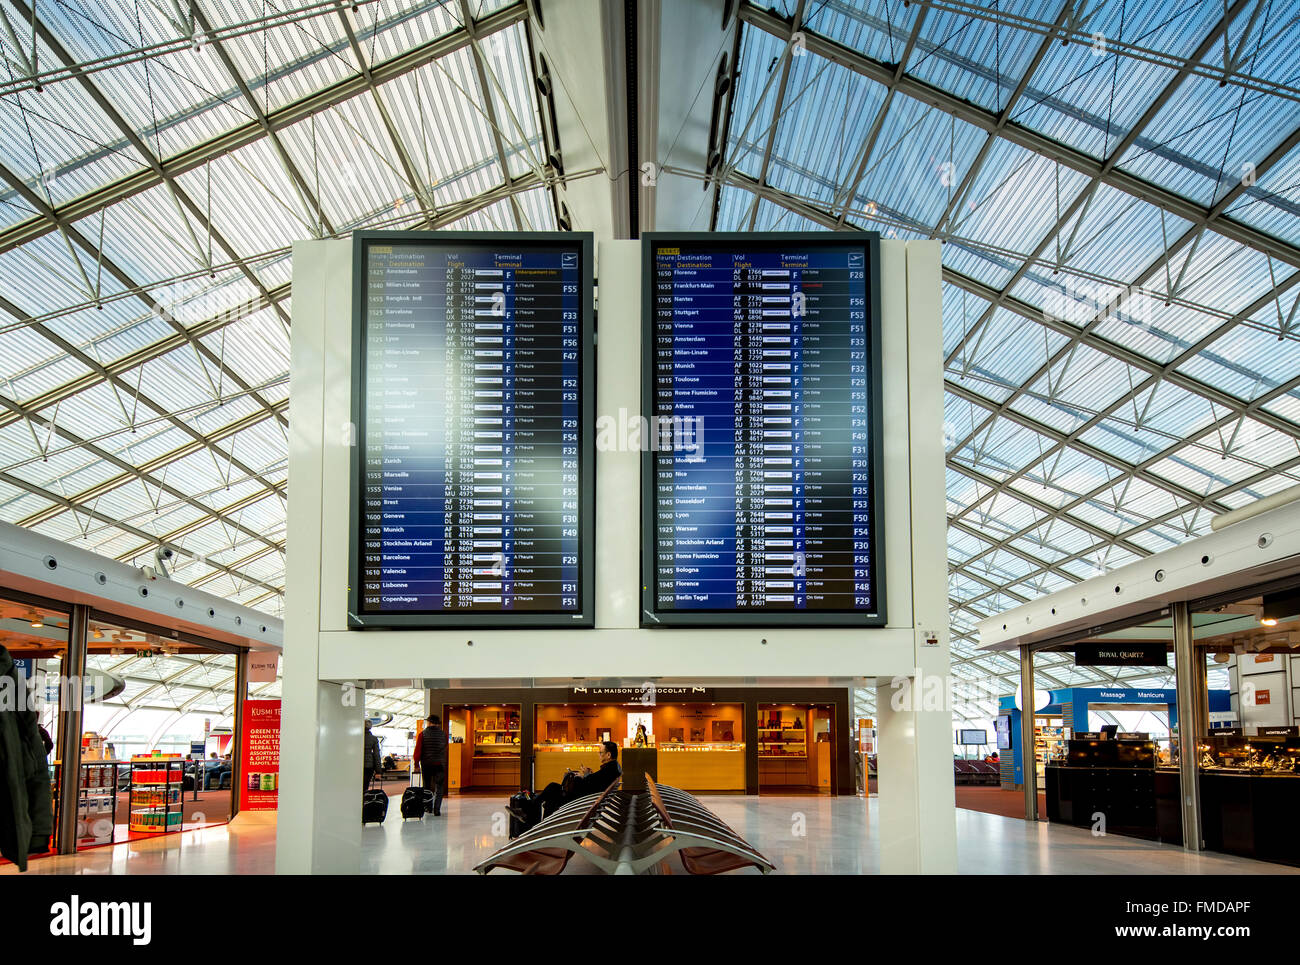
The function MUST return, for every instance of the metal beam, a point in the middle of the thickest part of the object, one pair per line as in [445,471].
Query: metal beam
[869,142]
[1004,115]
[1028,757]
[485,92]
[180,532]
[528,181]
[145,471]
[71,669]
[1189,719]
[1141,362]
[1190,237]
[394,138]
[103,372]
[1076,34]
[1127,469]
[92,513]
[787,55]
[131,392]
[72,234]
[148,353]
[1144,526]
[1150,382]
[178,194]
[1053,567]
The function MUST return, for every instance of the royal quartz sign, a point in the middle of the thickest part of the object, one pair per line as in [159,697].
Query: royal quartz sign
[1125,655]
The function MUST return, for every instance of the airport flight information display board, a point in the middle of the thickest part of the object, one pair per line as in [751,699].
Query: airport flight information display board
[761,489]
[473,469]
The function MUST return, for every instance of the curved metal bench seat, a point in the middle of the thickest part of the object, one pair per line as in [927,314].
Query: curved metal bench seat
[621,832]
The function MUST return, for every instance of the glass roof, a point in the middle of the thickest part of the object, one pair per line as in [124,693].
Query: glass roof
[1117,199]
[1119,227]
[144,351]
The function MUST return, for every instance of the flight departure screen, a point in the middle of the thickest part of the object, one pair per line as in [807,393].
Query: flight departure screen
[472,405]
[762,482]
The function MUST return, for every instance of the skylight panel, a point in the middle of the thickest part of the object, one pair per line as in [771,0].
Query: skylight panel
[281,64]
[1246,362]
[755,94]
[877,28]
[919,160]
[974,58]
[1272,203]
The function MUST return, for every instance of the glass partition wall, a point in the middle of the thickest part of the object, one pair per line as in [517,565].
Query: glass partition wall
[1248,741]
[1119,766]
[171,698]
[145,690]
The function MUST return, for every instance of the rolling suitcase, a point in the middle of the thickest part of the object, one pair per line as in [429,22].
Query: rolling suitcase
[374,806]
[415,802]
[521,802]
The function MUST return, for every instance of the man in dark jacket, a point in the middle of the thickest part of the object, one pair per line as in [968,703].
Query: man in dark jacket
[576,784]
[430,758]
[370,757]
[26,815]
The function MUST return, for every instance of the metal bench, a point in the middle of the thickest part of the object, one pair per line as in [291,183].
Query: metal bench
[546,848]
[622,832]
[705,844]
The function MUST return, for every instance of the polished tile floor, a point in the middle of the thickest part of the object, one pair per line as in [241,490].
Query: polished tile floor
[802,835]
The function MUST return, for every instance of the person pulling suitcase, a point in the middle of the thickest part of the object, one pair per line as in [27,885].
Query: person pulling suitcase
[430,758]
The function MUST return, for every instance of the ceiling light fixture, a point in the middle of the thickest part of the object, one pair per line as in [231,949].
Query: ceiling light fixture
[35,619]
[1268,621]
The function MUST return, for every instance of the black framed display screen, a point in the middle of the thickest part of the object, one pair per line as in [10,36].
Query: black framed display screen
[472,400]
[761,490]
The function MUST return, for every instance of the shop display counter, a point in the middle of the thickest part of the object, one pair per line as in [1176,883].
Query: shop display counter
[1116,800]
[1251,814]
[1242,813]
[703,767]
[552,760]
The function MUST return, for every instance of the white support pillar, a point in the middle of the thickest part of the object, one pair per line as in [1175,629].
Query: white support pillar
[319,831]
[917,804]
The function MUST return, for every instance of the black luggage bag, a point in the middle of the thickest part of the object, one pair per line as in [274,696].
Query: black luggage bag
[415,802]
[523,803]
[374,806]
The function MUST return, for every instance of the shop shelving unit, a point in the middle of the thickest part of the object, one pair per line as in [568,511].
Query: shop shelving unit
[496,733]
[156,784]
[96,801]
[789,742]
[495,758]
[1049,745]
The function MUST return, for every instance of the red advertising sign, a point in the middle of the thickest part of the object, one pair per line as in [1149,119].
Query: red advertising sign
[1261,697]
[259,752]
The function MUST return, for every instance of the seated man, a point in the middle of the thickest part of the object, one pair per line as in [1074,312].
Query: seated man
[210,767]
[216,771]
[576,784]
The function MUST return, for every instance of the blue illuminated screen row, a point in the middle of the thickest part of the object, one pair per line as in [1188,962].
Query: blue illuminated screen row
[474,459]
